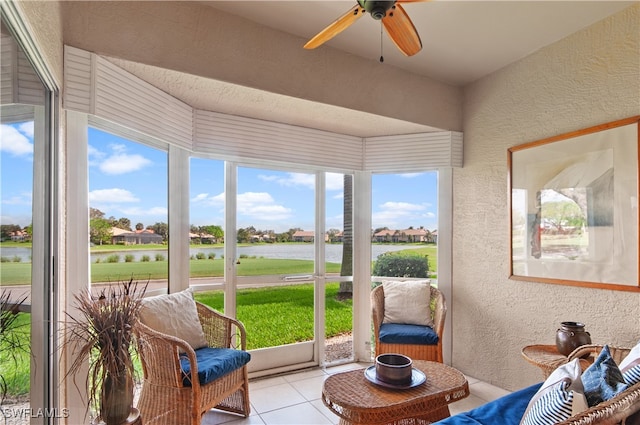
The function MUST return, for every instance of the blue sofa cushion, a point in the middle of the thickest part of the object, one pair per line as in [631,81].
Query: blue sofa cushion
[213,363]
[395,333]
[507,410]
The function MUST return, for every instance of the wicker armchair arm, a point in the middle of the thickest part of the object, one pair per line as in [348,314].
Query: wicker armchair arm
[440,312]
[221,331]
[588,353]
[610,412]
[160,357]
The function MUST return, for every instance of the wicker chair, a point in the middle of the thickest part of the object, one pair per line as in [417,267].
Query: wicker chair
[414,351]
[616,410]
[165,399]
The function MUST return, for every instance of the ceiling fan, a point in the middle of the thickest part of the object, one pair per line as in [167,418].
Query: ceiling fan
[394,19]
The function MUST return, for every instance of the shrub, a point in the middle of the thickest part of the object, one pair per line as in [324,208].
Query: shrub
[4,260]
[212,256]
[145,259]
[401,265]
[159,257]
[17,259]
[113,258]
[200,256]
[128,258]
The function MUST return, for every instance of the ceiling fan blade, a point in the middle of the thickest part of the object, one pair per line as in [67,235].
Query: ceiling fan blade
[401,31]
[335,28]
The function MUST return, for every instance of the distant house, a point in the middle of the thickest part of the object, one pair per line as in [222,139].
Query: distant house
[19,236]
[405,235]
[138,237]
[202,238]
[303,236]
[385,235]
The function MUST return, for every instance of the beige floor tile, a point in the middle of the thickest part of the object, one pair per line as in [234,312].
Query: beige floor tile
[335,419]
[310,388]
[275,397]
[487,391]
[300,414]
[468,403]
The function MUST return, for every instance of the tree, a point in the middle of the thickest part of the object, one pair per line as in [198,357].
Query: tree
[99,231]
[346,269]
[161,229]
[7,229]
[213,230]
[95,213]
[139,226]
[123,223]
[561,214]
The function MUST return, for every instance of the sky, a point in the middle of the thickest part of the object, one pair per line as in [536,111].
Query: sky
[128,179]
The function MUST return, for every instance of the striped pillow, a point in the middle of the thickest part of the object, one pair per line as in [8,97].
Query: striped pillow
[560,397]
[630,366]
[553,406]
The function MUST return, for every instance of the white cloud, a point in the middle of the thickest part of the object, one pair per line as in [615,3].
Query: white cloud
[118,161]
[334,181]
[114,195]
[402,206]
[26,128]
[261,205]
[396,215]
[200,197]
[410,175]
[14,141]
[24,198]
[203,199]
[149,212]
[123,163]
[292,180]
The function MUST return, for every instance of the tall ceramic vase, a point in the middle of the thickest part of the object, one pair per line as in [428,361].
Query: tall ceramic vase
[570,336]
[117,398]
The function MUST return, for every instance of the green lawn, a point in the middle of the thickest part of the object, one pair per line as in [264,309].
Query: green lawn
[283,315]
[20,273]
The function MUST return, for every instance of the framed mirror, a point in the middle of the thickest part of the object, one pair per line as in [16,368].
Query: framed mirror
[573,202]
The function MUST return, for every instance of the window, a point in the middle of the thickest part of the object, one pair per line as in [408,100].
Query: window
[128,217]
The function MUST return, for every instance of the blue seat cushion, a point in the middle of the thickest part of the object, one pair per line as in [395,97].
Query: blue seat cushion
[507,410]
[213,363]
[395,333]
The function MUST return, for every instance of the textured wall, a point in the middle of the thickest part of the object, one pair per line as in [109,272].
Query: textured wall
[45,25]
[589,78]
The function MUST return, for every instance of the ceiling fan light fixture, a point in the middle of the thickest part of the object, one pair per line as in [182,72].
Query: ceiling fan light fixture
[377,9]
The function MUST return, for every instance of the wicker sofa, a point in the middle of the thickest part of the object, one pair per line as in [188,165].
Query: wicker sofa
[623,409]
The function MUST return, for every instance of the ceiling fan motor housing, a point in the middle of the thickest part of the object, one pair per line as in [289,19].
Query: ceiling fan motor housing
[377,9]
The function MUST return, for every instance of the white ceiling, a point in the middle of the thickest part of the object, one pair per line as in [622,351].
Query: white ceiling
[462,40]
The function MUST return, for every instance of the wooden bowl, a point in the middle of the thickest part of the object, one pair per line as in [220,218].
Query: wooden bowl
[394,369]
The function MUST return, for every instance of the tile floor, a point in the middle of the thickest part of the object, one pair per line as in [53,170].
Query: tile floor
[295,399]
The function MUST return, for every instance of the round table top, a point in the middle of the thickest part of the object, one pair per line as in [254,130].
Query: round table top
[352,396]
[546,357]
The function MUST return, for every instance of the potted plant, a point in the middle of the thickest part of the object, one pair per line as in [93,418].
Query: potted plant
[103,337]
[14,347]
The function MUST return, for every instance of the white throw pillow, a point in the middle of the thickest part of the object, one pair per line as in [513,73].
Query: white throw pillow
[630,366]
[560,397]
[176,315]
[407,302]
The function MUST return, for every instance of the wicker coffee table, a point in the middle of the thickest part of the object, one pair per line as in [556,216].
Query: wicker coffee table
[356,400]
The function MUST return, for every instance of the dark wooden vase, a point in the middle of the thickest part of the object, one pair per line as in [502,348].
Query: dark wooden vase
[570,336]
